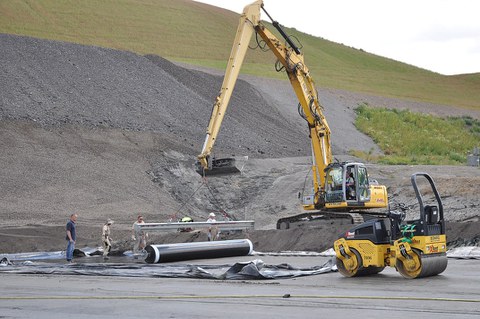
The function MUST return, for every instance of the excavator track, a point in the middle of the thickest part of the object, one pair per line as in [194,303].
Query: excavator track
[285,223]
[356,218]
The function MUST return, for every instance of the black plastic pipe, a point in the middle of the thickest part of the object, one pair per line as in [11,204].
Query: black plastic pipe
[198,250]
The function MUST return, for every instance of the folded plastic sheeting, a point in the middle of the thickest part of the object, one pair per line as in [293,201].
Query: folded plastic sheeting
[253,270]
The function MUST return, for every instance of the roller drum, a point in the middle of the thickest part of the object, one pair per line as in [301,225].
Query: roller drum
[430,265]
[358,271]
[351,266]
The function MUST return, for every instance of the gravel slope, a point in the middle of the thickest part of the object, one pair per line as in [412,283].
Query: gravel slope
[55,83]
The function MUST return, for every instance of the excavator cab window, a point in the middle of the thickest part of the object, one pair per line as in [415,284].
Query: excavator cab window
[347,182]
[334,190]
[363,184]
[350,183]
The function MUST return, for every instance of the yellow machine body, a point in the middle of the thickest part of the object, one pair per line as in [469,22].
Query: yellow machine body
[329,189]
[416,248]
[425,256]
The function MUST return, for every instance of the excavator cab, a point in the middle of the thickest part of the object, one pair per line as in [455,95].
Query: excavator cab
[347,185]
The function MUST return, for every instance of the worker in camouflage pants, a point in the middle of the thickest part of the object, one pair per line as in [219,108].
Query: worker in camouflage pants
[106,239]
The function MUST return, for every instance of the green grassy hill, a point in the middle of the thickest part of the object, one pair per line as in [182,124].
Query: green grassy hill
[183,30]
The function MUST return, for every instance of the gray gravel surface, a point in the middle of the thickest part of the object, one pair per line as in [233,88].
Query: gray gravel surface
[54,83]
[110,134]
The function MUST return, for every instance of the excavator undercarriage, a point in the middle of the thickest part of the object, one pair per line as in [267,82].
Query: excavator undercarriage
[355,218]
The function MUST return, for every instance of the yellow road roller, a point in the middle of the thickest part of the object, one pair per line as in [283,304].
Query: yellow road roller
[416,248]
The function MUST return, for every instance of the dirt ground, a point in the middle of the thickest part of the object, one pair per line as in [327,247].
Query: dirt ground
[111,134]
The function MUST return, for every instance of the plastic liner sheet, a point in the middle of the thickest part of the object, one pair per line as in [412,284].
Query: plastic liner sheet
[327,253]
[53,255]
[467,252]
[252,270]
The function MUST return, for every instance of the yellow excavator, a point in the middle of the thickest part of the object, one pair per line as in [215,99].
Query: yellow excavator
[337,187]
[416,248]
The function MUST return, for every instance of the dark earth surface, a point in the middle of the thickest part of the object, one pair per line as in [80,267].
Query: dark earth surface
[112,134]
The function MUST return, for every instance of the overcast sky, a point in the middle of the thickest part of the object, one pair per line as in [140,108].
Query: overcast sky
[438,35]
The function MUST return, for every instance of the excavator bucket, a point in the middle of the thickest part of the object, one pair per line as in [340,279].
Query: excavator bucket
[220,166]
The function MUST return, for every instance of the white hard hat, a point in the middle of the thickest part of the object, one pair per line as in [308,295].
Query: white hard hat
[211,215]
[110,221]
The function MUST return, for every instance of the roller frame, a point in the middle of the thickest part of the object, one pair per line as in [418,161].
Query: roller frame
[423,255]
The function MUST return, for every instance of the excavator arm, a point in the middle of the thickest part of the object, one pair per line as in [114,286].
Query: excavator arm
[292,60]
[311,110]
[249,18]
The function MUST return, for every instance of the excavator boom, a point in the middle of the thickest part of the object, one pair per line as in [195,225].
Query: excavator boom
[304,87]
[250,16]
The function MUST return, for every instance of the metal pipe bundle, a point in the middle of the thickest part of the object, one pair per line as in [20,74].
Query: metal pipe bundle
[198,250]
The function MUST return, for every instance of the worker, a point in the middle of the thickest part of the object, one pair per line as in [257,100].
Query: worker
[350,186]
[139,236]
[71,237]
[213,232]
[106,239]
[186,219]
